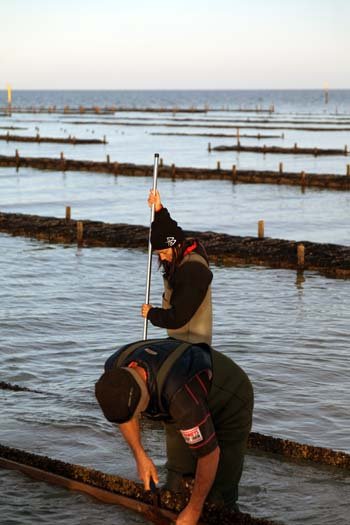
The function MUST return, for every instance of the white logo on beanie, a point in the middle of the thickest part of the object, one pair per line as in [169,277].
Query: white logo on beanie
[170,241]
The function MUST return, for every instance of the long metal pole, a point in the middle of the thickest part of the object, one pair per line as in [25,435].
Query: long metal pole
[149,264]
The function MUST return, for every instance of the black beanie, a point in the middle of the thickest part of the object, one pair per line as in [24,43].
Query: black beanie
[165,233]
[118,395]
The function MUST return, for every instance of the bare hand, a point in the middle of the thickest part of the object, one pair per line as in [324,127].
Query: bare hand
[154,198]
[146,470]
[188,516]
[145,308]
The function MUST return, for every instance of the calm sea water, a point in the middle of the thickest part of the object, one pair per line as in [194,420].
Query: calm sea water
[64,310]
[288,212]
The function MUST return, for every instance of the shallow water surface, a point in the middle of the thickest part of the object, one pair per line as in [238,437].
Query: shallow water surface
[64,311]
[288,212]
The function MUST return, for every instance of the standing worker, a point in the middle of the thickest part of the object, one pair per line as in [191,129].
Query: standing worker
[203,397]
[187,307]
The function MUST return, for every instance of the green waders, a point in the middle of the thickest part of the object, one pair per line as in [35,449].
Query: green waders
[231,406]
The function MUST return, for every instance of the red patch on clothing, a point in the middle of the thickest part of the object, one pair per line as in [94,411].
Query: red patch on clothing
[190,248]
[192,435]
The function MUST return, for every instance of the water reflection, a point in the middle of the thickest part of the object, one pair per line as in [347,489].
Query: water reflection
[299,281]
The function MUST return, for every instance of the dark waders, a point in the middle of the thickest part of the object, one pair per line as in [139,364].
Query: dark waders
[231,407]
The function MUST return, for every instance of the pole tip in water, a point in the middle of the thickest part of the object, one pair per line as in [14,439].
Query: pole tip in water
[156,154]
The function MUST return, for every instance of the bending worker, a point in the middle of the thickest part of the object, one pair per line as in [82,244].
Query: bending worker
[187,308]
[206,403]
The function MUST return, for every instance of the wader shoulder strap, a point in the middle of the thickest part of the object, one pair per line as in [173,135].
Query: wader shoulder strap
[166,367]
[129,350]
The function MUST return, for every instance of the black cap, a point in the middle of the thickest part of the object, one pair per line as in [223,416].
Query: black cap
[165,233]
[121,394]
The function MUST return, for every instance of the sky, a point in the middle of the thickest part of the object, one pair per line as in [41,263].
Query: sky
[175,44]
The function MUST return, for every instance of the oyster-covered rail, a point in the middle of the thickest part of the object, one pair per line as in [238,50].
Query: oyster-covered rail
[302,179]
[296,150]
[331,260]
[55,140]
[114,489]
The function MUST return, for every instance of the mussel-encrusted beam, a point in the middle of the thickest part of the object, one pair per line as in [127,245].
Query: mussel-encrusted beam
[115,484]
[331,260]
[58,140]
[298,451]
[325,181]
[283,150]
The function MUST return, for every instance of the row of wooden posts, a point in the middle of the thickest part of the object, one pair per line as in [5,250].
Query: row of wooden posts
[80,226]
[114,108]
[280,169]
[38,138]
[295,148]
[218,167]
[261,235]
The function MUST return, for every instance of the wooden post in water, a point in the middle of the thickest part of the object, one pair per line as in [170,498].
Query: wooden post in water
[80,232]
[173,171]
[116,168]
[326,93]
[160,163]
[303,178]
[209,147]
[17,159]
[280,168]
[218,165]
[68,213]
[63,163]
[9,99]
[104,139]
[238,141]
[9,95]
[261,229]
[295,146]
[301,255]
[345,150]
[348,170]
[234,174]
[108,159]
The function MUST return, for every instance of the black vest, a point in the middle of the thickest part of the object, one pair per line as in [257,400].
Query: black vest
[169,364]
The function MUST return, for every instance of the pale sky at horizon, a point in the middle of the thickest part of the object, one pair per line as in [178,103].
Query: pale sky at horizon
[184,44]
